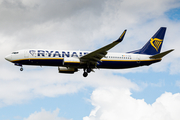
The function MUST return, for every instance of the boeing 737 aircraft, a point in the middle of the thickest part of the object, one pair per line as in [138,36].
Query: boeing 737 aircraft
[72,61]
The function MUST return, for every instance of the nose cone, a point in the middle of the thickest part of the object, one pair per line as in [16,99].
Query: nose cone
[8,58]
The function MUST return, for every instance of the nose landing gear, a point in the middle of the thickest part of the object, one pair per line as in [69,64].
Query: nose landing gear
[21,69]
[18,64]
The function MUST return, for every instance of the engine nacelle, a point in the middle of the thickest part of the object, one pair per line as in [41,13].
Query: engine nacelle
[72,61]
[67,70]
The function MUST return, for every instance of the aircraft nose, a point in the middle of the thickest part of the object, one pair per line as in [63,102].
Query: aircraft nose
[8,57]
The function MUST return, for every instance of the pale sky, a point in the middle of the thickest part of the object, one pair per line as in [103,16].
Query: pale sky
[41,93]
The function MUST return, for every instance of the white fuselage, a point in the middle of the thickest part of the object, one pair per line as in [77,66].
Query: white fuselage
[59,57]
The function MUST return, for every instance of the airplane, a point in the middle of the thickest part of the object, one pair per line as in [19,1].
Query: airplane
[71,61]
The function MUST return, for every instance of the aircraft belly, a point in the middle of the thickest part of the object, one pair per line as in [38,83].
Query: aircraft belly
[124,64]
[117,64]
[43,62]
[103,64]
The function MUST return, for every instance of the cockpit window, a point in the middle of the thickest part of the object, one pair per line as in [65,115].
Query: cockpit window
[15,52]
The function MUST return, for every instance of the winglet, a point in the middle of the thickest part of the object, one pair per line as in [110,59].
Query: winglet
[121,37]
[160,55]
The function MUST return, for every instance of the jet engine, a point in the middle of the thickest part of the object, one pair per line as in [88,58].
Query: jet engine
[67,70]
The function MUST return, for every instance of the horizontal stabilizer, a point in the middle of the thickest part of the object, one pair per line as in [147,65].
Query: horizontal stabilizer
[160,55]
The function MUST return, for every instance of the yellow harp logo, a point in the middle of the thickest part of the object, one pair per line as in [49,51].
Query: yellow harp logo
[156,43]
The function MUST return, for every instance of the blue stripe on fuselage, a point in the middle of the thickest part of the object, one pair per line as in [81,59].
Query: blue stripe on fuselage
[44,62]
[125,64]
[111,64]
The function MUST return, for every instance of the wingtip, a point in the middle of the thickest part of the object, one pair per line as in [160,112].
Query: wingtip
[171,50]
[122,36]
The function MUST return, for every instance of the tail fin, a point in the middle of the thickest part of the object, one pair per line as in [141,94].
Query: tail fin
[153,46]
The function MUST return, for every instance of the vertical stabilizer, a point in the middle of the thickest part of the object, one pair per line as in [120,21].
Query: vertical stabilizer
[153,46]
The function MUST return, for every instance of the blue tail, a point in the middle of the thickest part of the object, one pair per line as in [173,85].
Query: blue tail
[153,46]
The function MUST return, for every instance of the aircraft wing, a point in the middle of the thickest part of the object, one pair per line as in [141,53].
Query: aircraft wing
[98,54]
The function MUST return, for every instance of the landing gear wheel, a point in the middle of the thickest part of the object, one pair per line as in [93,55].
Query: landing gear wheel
[21,69]
[85,74]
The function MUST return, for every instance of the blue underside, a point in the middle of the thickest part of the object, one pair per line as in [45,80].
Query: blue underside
[103,64]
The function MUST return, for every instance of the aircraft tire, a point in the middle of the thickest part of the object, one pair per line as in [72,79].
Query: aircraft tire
[85,74]
[21,69]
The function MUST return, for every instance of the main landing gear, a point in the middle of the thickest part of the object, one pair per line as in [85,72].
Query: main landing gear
[85,74]
[86,71]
